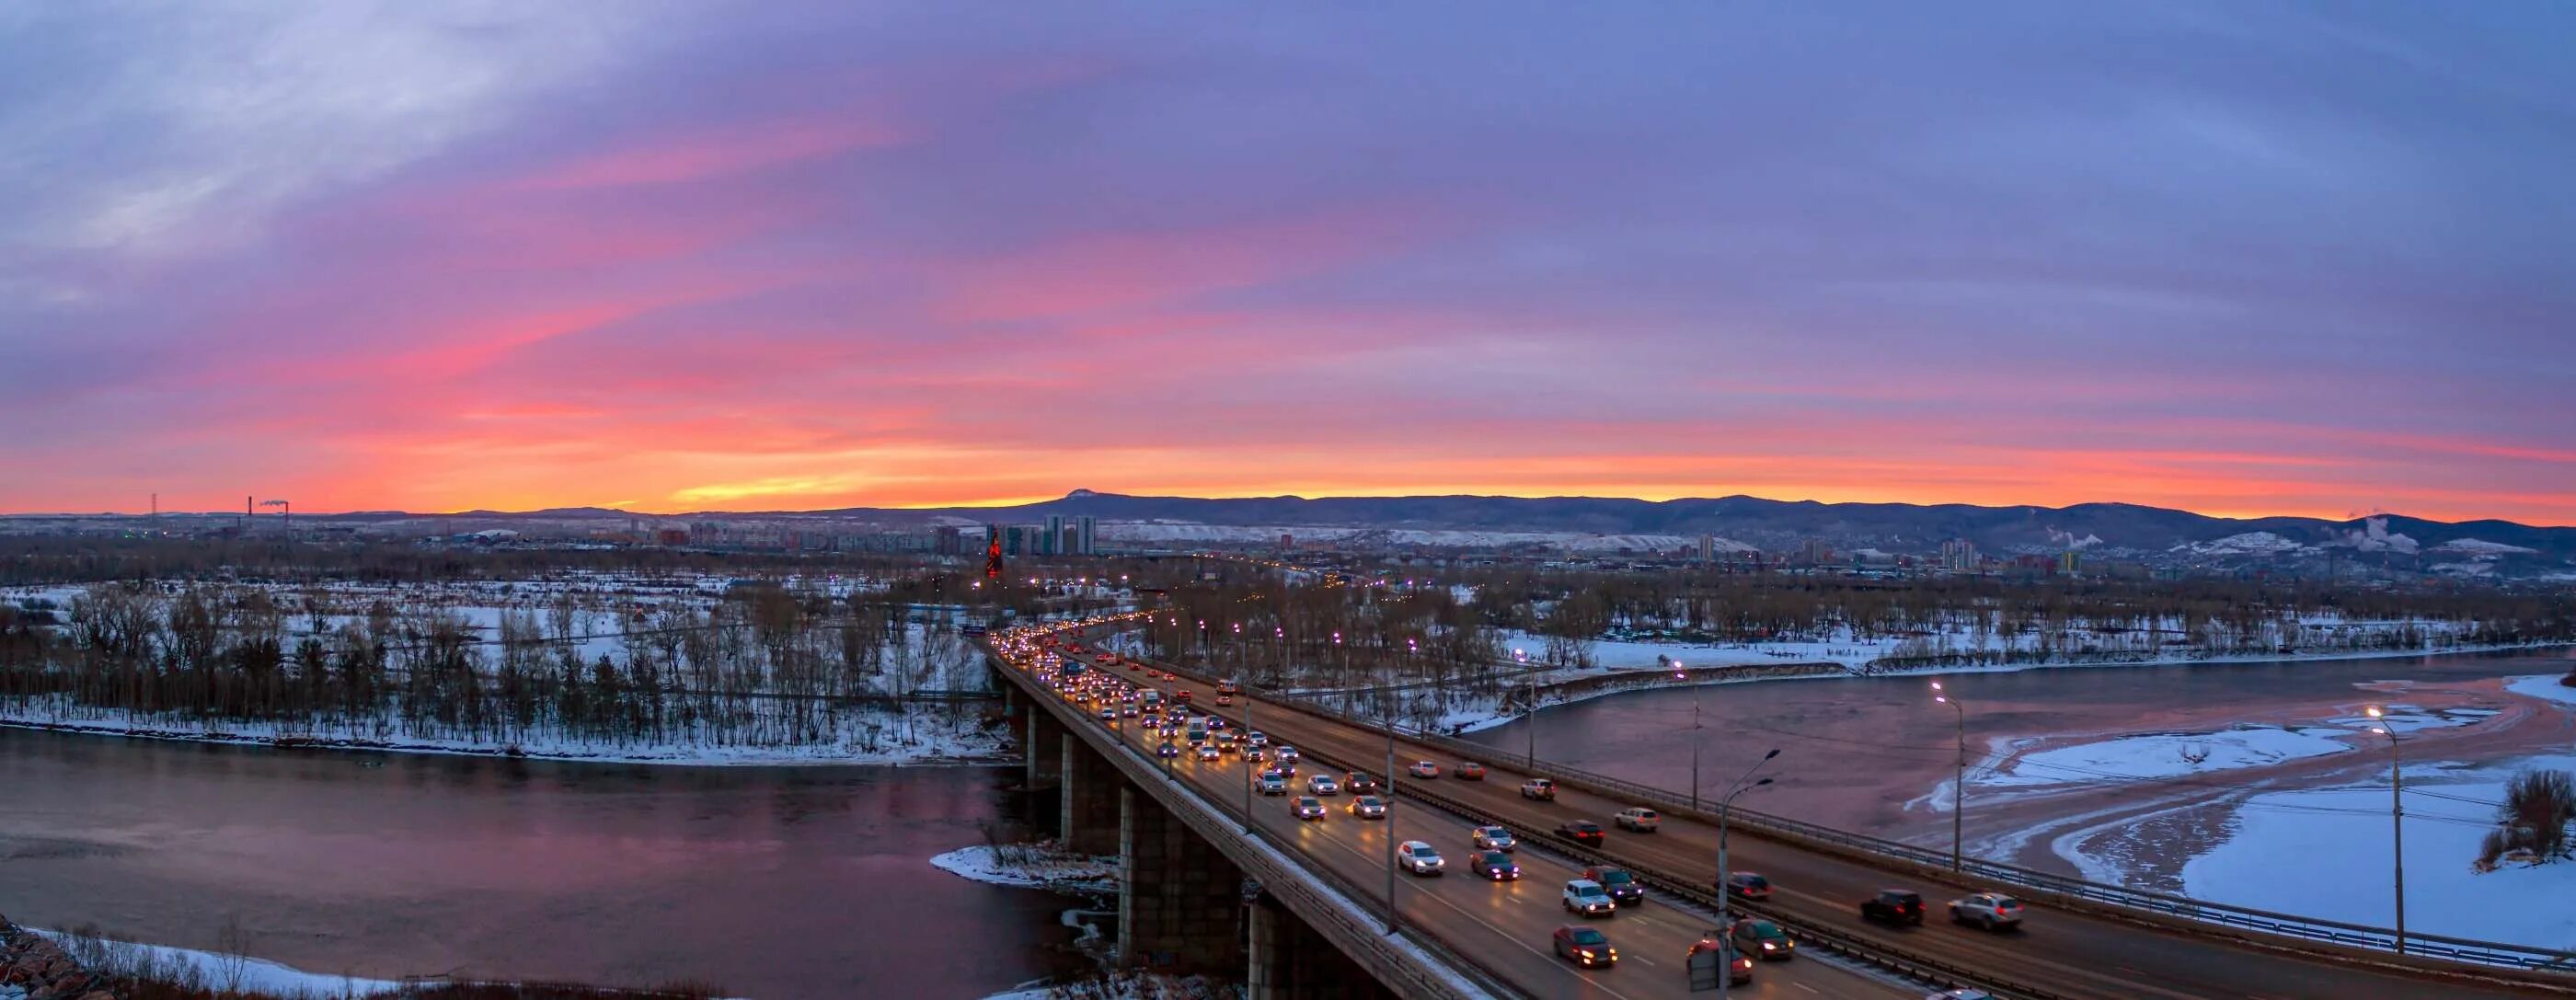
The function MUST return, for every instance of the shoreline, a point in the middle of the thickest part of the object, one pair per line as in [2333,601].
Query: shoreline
[671,758]
[1493,722]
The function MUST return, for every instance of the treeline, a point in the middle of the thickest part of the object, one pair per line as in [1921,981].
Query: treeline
[764,666]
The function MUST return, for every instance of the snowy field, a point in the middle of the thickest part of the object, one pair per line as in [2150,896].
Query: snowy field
[2327,853]
[2163,755]
[1041,865]
[1128,986]
[216,971]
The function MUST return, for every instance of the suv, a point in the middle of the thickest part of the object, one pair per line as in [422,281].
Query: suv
[1581,831]
[1895,906]
[1322,784]
[1993,911]
[1420,857]
[1360,783]
[1747,885]
[1739,967]
[1425,769]
[1622,886]
[1587,897]
[1495,838]
[1539,788]
[1638,818]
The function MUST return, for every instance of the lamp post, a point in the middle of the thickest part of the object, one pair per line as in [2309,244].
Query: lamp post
[2396,819]
[1959,776]
[1389,717]
[1529,705]
[1726,807]
[1680,674]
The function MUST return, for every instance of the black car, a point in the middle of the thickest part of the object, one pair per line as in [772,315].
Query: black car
[1360,783]
[1581,831]
[1894,906]
[1622,886]
[1496,866]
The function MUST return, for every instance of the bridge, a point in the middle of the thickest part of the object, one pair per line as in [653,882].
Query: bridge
[1221,880]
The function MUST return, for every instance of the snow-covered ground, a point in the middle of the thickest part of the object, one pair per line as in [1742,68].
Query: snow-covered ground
[1041,865]
[221,973]
[2162,755]
[2542,686]
[2327,852]
[1127,986]
[1561,541]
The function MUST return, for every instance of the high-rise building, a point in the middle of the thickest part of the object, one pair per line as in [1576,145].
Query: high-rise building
[1089,527]
[1053,543]
[1707,548]
[948,541]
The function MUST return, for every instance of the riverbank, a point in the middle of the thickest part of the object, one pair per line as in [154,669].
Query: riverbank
[957,740]
[1040,865]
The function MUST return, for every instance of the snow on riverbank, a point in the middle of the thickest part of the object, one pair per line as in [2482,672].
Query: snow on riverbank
[1042,865]
[932,737]
[2542,686]
[1128,986]
[218,972]
[2326,853]
[2162,755]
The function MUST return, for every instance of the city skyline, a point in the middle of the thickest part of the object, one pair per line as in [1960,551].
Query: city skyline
[2295,260]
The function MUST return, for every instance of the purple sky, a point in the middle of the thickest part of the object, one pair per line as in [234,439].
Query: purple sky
[2233,257]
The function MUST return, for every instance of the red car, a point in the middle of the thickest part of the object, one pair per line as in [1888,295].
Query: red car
[1586,946]
[1469,771]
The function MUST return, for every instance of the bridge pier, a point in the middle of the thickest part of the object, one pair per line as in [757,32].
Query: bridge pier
[1089,808]
[1182,905]
[1043,734]
[1291,961]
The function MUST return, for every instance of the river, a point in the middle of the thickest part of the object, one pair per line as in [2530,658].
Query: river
[768,882]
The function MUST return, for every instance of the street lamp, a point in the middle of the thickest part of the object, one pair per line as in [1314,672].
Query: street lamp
[1726,807]
[1959,777]
[1529,705]
[1680,674]
[2396,818]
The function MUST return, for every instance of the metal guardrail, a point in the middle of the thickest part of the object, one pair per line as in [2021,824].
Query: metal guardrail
[2333,932]
[1347,925]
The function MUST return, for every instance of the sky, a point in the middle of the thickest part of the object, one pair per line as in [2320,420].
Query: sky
[2239,258]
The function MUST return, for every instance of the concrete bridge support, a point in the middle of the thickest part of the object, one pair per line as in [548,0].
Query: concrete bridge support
[1039,742]
[1183,904]
[1088,807]
[1289,960]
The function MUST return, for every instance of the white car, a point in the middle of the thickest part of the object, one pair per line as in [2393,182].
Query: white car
[1993,911]
[1587,897]
[1495,838]
[1424,769]
[1287,753]
[1420,858]
[1207,752]
[1638,818]
[1368,807]
[1257,738]
[1323,784]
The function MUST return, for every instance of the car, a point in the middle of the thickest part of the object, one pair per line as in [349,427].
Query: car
[1765,939]
[1127,711]
[1622,885]
[1287,753]
[1214,723]
[1495,838]
[1894,906]
[1255,753]
[1962,993]
[1420,858]
[1739,967]
[1207,752]
[1323,784]
[1469,771]
[1109,714]
[1271,785]
[1992,911]
[1746,885]
[1424,769]
[1197,736]
[1637,818]
[1581,831]
[1307,807]
[1539,788]
[1496,866]
[1225,699]
[1257,738]
[1180,696]
[1168,749]
[1587,897]
[1585,946]
[1368,807]
[1360,783]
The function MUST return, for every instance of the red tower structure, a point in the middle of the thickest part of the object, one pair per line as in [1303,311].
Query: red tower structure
[992,552]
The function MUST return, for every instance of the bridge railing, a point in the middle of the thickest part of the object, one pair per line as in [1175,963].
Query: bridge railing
[1934,862]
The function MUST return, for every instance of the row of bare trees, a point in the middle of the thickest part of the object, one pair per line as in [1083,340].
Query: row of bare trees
[764,666]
